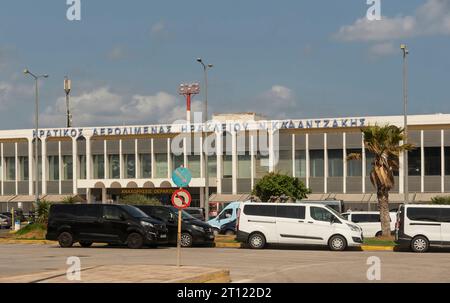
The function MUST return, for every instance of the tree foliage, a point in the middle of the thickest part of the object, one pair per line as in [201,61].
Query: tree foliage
[441,200]
[136,199]
[42,210]
[281,188]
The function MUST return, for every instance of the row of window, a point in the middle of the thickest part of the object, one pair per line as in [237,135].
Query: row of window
[432,165]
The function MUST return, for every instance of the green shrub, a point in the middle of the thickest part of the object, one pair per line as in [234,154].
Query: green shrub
[137,199]
[42,210]
[31,228]
[441,200]
[276,187]
[68,200]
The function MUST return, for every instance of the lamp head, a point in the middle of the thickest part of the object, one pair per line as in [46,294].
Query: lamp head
[199,60]
[45,76]
[26,71]
[210,65]
[403,46]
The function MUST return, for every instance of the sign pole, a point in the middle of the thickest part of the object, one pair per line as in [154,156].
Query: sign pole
[179,239]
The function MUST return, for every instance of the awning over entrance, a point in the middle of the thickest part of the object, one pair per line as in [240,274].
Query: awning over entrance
[31,198]
[225,198]
[60,198]
[6,198]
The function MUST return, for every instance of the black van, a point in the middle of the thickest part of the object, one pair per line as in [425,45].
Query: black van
[104,223]
[193,231]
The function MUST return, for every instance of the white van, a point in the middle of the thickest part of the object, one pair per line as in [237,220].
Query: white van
[369,221]
[295,223]
[421,226]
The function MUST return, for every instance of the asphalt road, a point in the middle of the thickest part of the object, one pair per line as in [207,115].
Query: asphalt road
[269,265]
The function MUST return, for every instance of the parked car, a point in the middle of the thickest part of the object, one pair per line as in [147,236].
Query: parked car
[227,215]
[196,212]
[420,226]
[295,223]
[337,205]
[193,231]
[228,228]
[369,221]
[5,221]
[104,223]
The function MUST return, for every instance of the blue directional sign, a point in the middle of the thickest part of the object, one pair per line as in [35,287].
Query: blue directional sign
[181,176]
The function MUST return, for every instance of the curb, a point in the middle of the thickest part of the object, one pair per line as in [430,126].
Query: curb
[216,276]
[25,241]
[227,245]
[376,248]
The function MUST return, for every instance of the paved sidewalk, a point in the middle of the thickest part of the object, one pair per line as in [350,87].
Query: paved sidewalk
[130,274]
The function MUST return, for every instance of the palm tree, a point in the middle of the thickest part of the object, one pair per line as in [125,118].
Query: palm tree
[383,142]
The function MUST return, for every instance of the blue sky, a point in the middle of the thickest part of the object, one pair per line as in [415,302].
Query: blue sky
[284,59]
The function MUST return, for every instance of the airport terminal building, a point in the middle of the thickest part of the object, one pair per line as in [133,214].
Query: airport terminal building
[102,164]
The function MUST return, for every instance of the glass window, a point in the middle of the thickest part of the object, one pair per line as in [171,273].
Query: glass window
[432,161]
[10,168]
[300,163]
[414,162]
[284,164]
[145,165]
[114,166]
[445,215]
[23,169]
[99,166]
[227,213]
[293,212]
[261,165]
[260,210]
[335,163]
[67,168]
[112,213]
[316,163]
[354,167]
[244,166]
[212,166]
[320,214]
[130,165]
[53,168]
[360,218]
[177,161]
[227,166]
[161,167]
[447,160]
[423,214]
[194,165]
[82,167]
[369,159]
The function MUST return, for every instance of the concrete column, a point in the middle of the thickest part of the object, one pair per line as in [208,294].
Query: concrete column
[219,153]
[16,167]
[422,163]
[202,162]
[137,160]
[234,162]
[344,162]
[293,156]
[169,160]
[442,161]
[363,163]
[103,195]
[74,166]
[60,170]
[325,163]
[153,158]
[185,151]
[88,160]
[30,168]
[308,164]
[252,160]
[271,152]
[105,159]
[44,166]
[121,161]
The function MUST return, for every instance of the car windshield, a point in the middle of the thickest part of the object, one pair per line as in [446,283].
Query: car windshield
[335,212]
[134,211]
[184,214]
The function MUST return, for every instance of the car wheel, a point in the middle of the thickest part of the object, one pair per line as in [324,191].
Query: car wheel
[186,240]
[65,239]
[420,244]
[337,243]
[257,241]
[230,232]
[85,244]
[378,234]
[135,241]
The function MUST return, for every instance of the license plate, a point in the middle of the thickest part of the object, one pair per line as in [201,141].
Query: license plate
[211,236]
[163,236]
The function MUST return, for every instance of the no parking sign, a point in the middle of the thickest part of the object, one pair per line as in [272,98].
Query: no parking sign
[181,199]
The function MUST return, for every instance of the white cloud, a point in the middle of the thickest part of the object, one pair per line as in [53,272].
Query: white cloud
[432,18]
[280,95]
[104,107]
[383,49]
[158,27]
[12,92]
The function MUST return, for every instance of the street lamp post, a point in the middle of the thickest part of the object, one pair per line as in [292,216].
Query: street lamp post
[206,197]
[405,53]
[36,136]
[67,88]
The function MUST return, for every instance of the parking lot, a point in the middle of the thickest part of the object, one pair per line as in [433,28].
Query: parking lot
[269,265]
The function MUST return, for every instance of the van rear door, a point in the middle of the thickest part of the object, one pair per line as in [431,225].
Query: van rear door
[424,221]
[291,224]
[445,225]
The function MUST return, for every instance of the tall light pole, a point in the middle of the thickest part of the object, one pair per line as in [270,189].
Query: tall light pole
[405,53]
[206,197]
[36,136]
[67,88]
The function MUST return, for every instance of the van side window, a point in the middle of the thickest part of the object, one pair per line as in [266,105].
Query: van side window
[260,210]
[423,214]
[293,212]
[111,213]
[373,218]
[227,213]
[359,218]
[445,215]
[88,211]
[161,213]
[320,214]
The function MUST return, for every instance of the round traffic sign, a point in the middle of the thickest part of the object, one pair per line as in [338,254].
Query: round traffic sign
[181,176]
[181,198]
